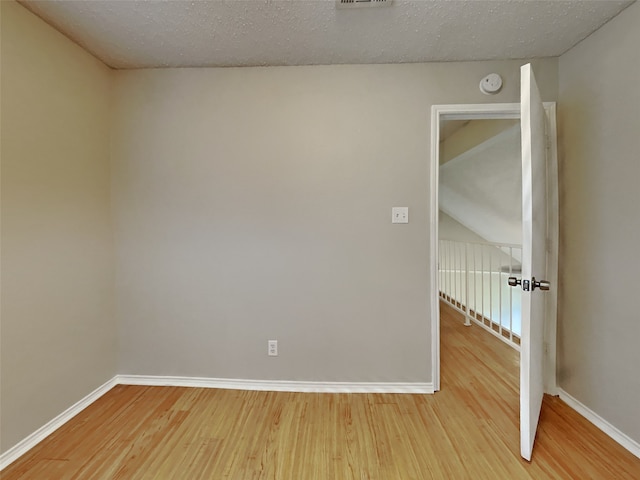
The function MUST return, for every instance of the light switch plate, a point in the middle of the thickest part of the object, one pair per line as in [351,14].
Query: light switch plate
[399,214]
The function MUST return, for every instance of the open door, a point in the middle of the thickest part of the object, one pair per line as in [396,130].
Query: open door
[540,232]
[534,261]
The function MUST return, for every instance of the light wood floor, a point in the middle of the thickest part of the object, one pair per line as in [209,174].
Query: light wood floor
[467,430]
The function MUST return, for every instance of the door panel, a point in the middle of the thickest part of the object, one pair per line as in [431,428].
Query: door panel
[534,234]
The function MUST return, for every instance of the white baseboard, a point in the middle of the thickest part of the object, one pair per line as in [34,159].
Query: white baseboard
[277,385]
[620,437]
[36,437]
[47,429]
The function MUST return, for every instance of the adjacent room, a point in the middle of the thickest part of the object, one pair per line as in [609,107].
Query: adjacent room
[202,272]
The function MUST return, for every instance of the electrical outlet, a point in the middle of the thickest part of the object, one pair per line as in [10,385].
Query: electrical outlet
[272,348]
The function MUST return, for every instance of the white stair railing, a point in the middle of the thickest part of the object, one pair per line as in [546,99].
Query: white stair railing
[473,280]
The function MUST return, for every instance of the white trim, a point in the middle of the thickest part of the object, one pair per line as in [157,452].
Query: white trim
[434,182]
[277,385]
[478,111]
[438,113]
[36,437]
[620,437]
[553,225]
[224,383]
[48,428]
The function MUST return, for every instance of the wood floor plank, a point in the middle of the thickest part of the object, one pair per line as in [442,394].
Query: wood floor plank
[468,430]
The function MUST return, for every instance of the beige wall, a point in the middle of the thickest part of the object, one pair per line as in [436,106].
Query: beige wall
[599,324]
[58,333]
[471,135]
[451,229]
[255,204]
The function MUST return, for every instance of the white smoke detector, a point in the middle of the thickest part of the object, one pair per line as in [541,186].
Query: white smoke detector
[491,84]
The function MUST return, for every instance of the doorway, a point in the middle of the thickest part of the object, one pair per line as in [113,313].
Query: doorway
[441,114]
[480,223]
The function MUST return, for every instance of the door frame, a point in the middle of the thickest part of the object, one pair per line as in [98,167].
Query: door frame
[496,111]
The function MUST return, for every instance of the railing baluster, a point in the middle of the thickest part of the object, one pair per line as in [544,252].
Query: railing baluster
[490,287]
[482,281]
[475,283]
[449,293]
[499,278]
[510,295]
[467,320]
[456,257]
[458,263]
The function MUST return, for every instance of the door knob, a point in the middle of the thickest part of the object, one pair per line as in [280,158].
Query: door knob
[542,284]
[514,281]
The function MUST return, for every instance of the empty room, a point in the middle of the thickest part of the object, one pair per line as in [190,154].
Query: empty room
[235,241]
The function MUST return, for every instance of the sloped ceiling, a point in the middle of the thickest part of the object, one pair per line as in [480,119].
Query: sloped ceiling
[182,33]
[482,187]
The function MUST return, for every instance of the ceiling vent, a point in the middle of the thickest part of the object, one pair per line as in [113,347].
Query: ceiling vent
[362,3]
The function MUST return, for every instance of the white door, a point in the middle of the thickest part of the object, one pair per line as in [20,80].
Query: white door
[534,240]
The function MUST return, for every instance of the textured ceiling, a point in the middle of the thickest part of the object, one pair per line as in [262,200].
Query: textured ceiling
[184,33]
